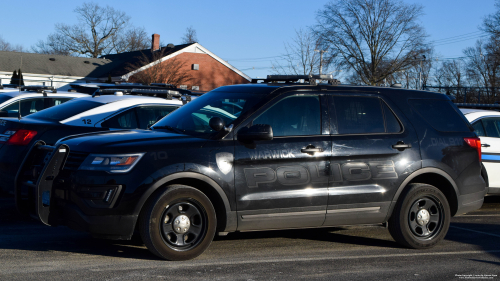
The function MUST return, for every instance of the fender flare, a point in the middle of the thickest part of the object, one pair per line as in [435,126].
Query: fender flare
[416,174]
[189,175]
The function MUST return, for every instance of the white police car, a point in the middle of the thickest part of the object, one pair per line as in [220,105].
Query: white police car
[30,99]
[486,123]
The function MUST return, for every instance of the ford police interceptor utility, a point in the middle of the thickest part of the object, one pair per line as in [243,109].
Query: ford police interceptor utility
[83,115]
[262,156]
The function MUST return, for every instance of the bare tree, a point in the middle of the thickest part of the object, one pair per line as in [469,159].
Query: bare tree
[491,23]
[190,36]
[374,38]
[170,71]
[301,57]
[6,46]
[99,31]
[135,38]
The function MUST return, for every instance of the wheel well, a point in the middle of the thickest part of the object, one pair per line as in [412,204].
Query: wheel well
[443,185]
[209,191]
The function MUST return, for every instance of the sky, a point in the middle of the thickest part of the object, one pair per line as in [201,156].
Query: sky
[250,35]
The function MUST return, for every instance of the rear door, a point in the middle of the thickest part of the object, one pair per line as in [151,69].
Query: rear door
[372,146]
[279,184]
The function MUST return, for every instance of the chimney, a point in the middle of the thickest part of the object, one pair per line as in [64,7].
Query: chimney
[155,42]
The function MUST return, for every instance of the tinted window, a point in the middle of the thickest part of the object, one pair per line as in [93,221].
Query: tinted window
[125,120]
[359,115]
[58,101]
[440,114]
[28,106]
[193,118]
[391,122]
[478,128]
[293,116]
[148,115]
[491,127]
[66,110]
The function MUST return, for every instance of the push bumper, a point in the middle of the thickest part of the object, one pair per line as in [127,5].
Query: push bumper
[38,193]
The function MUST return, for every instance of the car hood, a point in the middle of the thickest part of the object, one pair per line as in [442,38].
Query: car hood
[130,141]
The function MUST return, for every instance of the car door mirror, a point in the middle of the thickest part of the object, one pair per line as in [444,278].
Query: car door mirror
[4,113]
[257,132]
[217,123]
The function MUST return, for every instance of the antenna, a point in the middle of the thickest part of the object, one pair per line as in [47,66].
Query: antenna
[19,83]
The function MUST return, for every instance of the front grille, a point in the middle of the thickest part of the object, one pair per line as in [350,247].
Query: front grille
[75,159]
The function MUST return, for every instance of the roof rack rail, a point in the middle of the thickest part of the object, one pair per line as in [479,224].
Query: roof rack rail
[38,89]
[164,93]
[478,105]
[311,79]
[9,86]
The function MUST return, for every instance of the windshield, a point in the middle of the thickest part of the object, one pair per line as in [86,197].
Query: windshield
[193,118]
[65,110]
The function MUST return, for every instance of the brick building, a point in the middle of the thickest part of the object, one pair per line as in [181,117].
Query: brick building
[204,70]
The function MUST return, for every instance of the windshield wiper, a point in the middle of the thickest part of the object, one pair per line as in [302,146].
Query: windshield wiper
[170,128]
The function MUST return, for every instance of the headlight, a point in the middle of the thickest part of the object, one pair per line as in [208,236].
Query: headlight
[111,163]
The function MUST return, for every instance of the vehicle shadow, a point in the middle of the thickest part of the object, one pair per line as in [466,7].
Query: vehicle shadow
[20,233]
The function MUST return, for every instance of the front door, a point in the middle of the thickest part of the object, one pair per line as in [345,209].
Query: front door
[283,183]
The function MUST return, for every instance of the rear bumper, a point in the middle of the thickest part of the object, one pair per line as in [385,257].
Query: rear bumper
[470,202]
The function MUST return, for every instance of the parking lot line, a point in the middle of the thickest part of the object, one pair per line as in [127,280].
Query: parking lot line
[486,233]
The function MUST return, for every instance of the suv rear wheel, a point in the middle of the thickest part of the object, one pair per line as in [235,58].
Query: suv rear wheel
[421,217]
[178,223]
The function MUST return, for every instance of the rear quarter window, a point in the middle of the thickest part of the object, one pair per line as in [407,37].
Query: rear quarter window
[440,114]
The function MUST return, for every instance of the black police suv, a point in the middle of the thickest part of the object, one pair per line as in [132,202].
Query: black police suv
[261,156]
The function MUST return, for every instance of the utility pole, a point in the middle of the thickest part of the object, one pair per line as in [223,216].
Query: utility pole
[321,60]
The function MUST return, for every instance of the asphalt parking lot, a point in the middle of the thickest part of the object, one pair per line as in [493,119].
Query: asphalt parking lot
[471,250]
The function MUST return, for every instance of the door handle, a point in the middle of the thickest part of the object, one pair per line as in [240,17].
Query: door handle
[485,145]
[311,149]
[401,146]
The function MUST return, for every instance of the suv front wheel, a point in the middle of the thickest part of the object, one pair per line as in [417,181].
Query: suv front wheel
[178,223]
[421,217]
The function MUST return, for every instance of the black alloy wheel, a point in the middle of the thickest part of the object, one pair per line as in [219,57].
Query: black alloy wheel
[184,225]
[421,217]
[178,223]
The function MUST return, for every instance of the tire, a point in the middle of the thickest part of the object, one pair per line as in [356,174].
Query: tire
[178,223]
[421,217]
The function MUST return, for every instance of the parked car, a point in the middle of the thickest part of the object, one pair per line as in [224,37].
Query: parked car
[83,115]
[297,155]
[486,123]
[15,103]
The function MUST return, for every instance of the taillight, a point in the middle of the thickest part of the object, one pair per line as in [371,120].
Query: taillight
[475,143]
[22,137]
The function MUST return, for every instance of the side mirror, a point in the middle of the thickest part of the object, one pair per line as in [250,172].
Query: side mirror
[257,132]
[217,123]
[4,113]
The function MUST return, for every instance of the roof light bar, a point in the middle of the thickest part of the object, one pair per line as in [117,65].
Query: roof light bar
[38,89]
[168,94]
[311,79]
